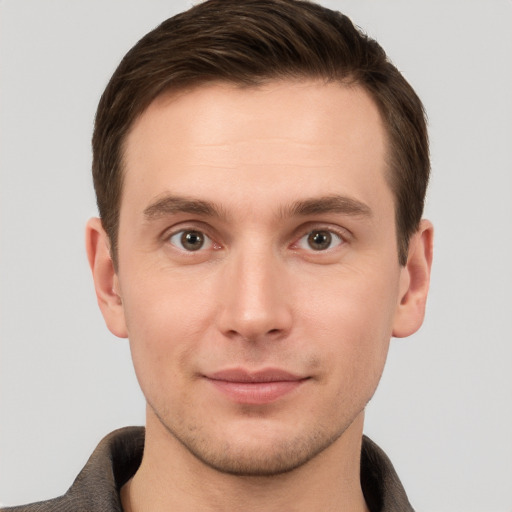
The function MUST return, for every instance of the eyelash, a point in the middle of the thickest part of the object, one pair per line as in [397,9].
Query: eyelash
[335,236]
[211,244]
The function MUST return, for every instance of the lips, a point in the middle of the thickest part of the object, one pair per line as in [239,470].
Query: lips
[255,387]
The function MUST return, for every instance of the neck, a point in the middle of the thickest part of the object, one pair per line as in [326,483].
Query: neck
[171,478]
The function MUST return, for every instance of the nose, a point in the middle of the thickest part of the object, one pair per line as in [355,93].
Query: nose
[255,297]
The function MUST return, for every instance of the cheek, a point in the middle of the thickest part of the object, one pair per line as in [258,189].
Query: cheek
[351,315]
[165,317]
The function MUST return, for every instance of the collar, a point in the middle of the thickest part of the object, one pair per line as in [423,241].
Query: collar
[118,456]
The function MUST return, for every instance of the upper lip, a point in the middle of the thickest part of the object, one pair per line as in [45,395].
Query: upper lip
[264,375]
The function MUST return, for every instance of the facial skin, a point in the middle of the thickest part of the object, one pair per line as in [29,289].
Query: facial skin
[290,264]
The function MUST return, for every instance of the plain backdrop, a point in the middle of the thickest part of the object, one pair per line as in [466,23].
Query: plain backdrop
[443,411]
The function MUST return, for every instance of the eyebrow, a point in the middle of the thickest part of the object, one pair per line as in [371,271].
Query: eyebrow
[329,204]
[170,205]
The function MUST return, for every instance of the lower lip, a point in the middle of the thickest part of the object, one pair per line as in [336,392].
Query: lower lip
[256,392]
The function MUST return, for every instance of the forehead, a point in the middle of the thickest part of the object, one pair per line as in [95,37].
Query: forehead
[324,109]
[311,133]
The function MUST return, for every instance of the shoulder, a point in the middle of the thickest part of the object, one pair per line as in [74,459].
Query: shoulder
[97,486]
[61,504]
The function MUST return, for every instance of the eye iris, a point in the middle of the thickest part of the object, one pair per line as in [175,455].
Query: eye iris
[319,240]
[192,240]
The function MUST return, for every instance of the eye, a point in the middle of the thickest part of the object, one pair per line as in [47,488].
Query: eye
[190,240]
[320,240]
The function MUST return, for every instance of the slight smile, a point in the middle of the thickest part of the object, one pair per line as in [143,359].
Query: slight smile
[260,387]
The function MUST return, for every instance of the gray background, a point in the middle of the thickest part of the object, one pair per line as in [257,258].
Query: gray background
[443,411]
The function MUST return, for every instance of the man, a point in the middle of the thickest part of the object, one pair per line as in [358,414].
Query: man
[260,170]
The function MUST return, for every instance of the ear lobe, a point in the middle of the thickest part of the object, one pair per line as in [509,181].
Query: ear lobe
[106,282]
[414,282]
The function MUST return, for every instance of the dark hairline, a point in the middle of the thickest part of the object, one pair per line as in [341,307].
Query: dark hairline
[358,60]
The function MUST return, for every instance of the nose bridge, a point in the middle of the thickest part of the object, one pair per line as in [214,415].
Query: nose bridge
[256,299]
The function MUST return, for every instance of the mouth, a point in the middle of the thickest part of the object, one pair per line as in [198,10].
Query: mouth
[255,387]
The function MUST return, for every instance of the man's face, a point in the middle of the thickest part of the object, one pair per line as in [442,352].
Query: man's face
[258,268]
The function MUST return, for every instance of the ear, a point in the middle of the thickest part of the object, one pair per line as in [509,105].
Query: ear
[414,282]
[105,277]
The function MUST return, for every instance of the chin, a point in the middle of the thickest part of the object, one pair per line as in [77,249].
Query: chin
[262,451]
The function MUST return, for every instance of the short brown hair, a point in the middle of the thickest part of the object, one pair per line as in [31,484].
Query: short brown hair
[247,43]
